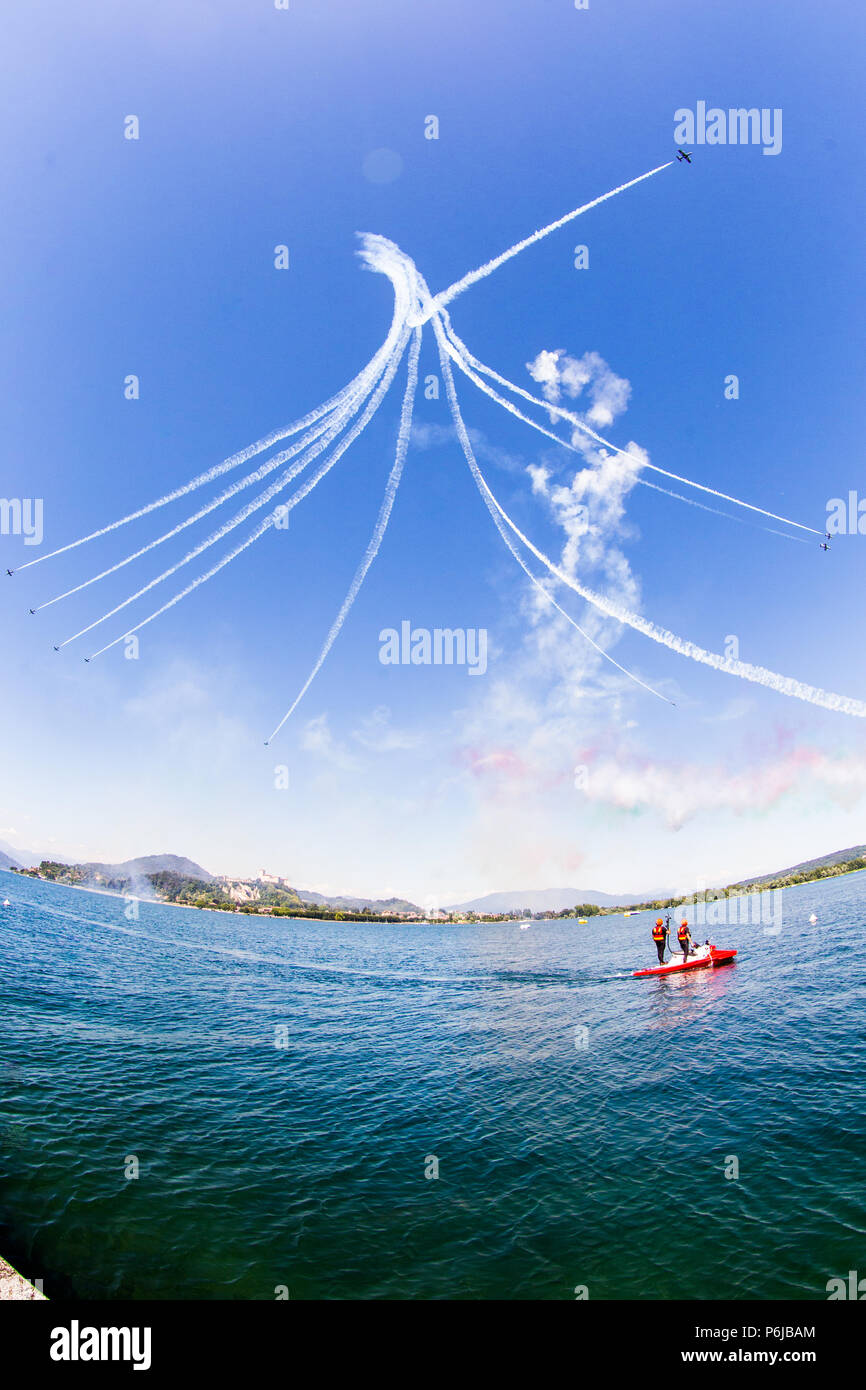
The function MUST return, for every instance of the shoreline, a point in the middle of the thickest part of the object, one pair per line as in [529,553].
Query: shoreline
[689,900]
[225,911]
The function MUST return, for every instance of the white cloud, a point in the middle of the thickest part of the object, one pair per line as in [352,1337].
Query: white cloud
[317,738]
[183,706]
[557,373]
[561,704]
[377,734]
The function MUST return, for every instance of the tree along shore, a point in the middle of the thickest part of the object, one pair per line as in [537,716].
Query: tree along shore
[274,901]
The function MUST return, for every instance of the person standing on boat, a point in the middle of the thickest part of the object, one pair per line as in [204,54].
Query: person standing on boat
[660,937]
[684,937]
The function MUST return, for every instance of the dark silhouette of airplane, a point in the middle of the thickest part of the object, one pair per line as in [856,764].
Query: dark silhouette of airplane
[681,155]
[824,545]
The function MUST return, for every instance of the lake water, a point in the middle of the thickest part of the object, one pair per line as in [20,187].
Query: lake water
[284,1086]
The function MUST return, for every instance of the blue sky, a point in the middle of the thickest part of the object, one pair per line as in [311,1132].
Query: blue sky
[155,257]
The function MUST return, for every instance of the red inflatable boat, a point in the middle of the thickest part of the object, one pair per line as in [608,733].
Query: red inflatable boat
[702,955]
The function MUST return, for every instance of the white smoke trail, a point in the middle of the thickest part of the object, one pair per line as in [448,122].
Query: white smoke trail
[212,473]
[326,431]
[458,357]
[759,675]
[460,351]
[378,531]
[445,296]
[378,254]
[396,342]
[263,471]
[463,436]
[263,498]
[298,496]
[717,511]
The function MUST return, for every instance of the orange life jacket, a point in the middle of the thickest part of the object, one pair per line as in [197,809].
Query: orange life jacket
[658,933]
[683,933]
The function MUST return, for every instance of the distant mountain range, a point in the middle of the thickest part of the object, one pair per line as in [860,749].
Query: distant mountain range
[25,858]
[12,858]
[137,870]
[521,900]
[545,900]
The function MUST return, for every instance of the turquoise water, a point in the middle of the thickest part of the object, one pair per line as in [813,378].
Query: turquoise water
[304,1165]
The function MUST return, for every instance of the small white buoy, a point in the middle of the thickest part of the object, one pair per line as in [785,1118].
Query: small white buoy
[813,919]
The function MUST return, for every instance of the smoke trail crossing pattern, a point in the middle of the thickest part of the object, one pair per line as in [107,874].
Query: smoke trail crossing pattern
[333,427]
[466,361]
[379,530]
[499,516]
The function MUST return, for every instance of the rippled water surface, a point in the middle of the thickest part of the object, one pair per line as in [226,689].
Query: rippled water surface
[284,1085]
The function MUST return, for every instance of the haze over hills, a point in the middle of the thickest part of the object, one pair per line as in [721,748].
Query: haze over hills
[150,864]
[135,872]
[26,858]
[556,899]
[358,904]
[545,900]
[129,869]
